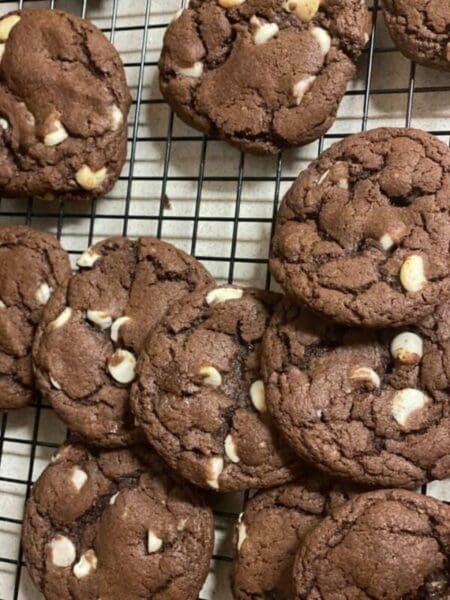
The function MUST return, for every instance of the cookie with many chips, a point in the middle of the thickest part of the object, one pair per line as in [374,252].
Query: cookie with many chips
[115,524]
[93,329]
[64,103]
[363,234]
[262,74]
[199,396]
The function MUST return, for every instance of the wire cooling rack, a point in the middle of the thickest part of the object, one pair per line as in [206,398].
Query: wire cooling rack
[205,197]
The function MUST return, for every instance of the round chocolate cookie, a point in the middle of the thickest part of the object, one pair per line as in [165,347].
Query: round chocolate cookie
[64,103]
[363,234]
[93,329]
[390,544]
[420,30]
[32,266]
[262,74]
[369,405]
[271,530]
[199,396]
[115,525]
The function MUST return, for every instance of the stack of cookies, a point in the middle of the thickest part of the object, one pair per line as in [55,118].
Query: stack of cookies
[107,518]
[356,368]
[333,399]
[362,249]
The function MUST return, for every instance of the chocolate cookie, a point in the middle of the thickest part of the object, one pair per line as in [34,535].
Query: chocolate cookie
[363,234]
[383,545]
[271,530]
[369,405]
[116,525]
[262,74]
[92,330]
[64,103]
[32,266]
[199,395]
[420,30]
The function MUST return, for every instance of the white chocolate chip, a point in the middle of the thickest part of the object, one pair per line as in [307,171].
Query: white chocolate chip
[88,258]
[230,3]
[116,327]
[122,366]
[6,25]
[263,32]
[154,543]
[323,177]
[4,124]
[301,87]
[100,318]
[210,376]
[62,551]
[412,274]
[113,498]
[2,50]
[405,403]
[2,304]
[407,348]
[57,135]
[231,450]
[223,295]
[343,184]
[366,375]
[194,72]
[62,319]
[392,237]
[258,396]
[215,468]
[54,383]
[323,38]
[386,242]
[43,293]
[177,15]
[242,535]
[86,565]
[116,117]
[304,9]
[89,179]
[78,477]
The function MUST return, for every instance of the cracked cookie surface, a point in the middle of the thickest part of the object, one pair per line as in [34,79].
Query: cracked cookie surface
[270,531]
[64,103]
[369,405]
[32,266]
[259,75]
[199,396]
[363,234]
[93,329]
[387,544]
[420,30]
[115,524]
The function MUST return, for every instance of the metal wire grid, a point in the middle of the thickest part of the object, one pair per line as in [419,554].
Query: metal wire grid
[223,219]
